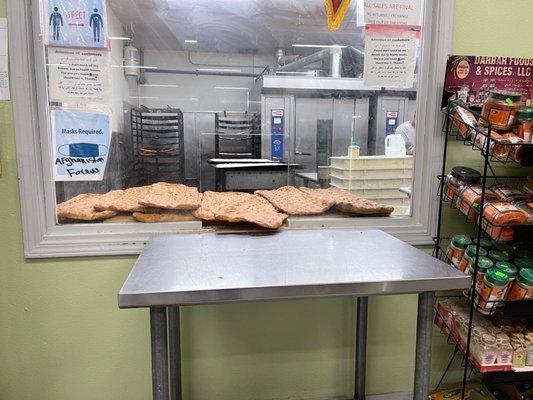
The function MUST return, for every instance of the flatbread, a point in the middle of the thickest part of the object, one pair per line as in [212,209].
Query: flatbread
[212,201]
[123,200]
[292,201]
[81,208]
[350,203]
[254,209]
[168,216]
[172,196]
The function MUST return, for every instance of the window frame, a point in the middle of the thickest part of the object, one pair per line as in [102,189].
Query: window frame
[43,238]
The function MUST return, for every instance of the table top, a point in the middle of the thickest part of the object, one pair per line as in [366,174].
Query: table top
[209,268]
[273,166]
[239,160]
[312,176]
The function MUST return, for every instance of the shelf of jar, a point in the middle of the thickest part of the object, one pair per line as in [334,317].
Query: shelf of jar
[493,207]
[504,147]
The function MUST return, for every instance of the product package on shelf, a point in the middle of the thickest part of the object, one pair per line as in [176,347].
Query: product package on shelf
[493,347]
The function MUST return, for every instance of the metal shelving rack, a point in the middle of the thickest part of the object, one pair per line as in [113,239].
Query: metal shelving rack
[488,177]
[158,145]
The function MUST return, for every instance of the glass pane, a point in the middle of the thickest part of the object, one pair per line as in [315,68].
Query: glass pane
[178,98]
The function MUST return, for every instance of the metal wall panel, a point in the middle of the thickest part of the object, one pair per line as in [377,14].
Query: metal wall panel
[384,105]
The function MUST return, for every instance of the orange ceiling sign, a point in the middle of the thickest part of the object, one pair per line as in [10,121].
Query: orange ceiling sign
[336,11]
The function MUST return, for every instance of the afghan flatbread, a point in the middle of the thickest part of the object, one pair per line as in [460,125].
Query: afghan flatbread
[350,203]
[292,201]
[81,208]
[172,196]
[254,209]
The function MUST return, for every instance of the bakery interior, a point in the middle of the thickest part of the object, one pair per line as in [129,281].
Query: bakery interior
[233,79]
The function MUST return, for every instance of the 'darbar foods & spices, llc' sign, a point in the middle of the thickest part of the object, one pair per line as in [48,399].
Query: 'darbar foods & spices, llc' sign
[81,145]
[75,23]
[472,78]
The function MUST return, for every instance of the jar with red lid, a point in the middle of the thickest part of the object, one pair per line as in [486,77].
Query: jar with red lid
[458,177]
[501,108]
[499,217]
[469,200]
[524,126]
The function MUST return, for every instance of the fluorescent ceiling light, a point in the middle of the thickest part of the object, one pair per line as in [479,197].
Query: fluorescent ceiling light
[217,70]
[190,41]
[159,86]
[231,88]
[132,66]
[119,38]
[321,46]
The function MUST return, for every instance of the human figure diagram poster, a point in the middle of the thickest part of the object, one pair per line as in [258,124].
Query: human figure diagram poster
[75,23]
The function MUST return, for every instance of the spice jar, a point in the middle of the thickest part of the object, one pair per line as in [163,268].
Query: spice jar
[528,186]
[483,265]
[511,272]
[524,127]
[489,349]
[523,262]
[523,286]
[527,208]
[506,249]
[469,200]
[464,120]
[519,353]
[456,248]
[458,177]
[498,217]
[501,108]
[485,243]
[498,256]
[507,193]
[492,290]
[470,256]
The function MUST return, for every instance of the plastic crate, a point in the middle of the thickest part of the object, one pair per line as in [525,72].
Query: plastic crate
[372,163]
[399,173]
[370,183]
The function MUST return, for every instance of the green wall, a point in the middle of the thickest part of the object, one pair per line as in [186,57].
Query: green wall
[62,336]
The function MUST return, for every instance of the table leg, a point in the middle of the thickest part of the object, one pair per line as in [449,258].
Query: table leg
[174,331]
[158,327]
[360,347]
[424,334]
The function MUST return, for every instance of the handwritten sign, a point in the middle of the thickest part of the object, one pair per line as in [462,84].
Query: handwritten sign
[390,56]
[476,76]
[391,12]
[78,74]
[75,23]
[81,145]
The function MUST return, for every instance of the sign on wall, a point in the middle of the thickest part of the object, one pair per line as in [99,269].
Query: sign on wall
[390,56]
[75,23]
[81,144]
[392,12]
[476,76]
[78,74]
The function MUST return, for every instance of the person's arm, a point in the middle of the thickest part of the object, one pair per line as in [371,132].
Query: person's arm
[61,19]
[409,146]
[91,21]
[51,19]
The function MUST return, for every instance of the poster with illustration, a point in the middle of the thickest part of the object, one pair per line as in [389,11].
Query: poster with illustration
[81,144]
[75,23]
[472,78]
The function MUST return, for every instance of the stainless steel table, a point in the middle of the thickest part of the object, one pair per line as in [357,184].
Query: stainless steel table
[208,268]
